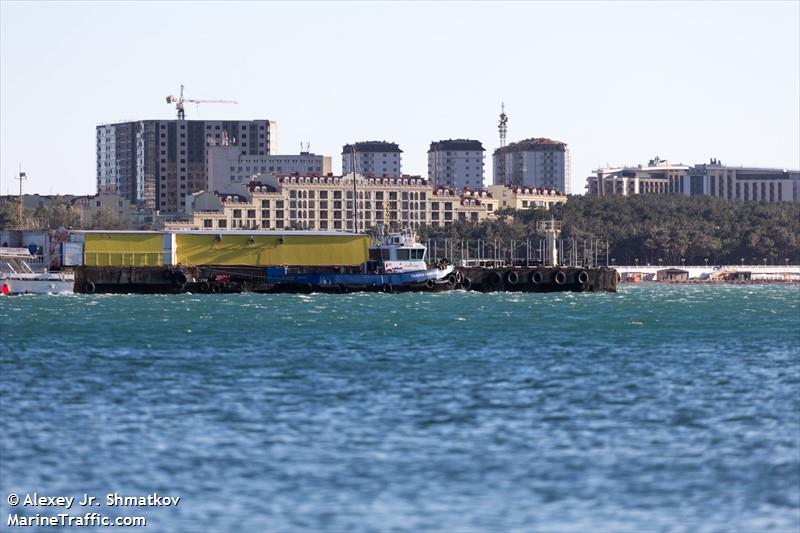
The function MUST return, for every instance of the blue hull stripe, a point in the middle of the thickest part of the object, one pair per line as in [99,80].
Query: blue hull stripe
[371,280]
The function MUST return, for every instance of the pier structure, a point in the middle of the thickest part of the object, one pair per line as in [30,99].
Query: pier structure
[542,263]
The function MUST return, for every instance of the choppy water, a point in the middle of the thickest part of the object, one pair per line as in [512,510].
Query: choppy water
[654,409]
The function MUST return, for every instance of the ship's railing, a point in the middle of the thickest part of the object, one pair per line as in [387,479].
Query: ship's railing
[495,253]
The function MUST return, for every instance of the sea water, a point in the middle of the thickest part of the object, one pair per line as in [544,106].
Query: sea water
[657,408]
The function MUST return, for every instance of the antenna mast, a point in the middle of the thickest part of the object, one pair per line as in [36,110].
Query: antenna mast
[21,210]
[503,126]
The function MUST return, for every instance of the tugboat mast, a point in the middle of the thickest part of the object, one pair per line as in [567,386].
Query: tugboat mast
[355,190]
[21,209]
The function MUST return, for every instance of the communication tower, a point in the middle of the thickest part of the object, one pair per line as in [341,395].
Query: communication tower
[503,126]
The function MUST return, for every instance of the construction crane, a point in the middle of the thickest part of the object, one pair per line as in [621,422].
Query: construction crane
[179,101]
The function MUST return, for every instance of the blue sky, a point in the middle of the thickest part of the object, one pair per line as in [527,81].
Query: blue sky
[619,82]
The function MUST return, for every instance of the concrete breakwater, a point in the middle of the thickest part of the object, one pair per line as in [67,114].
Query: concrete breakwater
[216,279]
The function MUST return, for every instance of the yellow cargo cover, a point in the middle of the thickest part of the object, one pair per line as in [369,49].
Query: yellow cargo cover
[271,250]
[123,249]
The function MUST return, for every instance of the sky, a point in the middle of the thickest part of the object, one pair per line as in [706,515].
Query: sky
[619,82]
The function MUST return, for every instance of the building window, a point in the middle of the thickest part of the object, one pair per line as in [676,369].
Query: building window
[222,223]
[251,213]
[207,223]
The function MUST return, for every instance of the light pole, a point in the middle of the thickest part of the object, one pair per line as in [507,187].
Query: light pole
[765,263]
[614,262]
[637,263]
[706,262]
[683,262]
[787,264]
[743,262]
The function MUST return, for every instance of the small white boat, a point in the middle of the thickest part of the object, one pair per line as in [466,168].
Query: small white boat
[17,276]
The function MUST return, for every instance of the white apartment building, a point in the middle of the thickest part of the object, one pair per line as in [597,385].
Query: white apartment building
[456,163]
[536,162]
[229,165]
[372,158]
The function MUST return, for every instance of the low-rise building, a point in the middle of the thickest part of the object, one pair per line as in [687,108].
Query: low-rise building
[326,203]
[711,179]
[89,206]
[372,158]
[456,163]
[230,165]
[658,177]
[743,183]
[518,197]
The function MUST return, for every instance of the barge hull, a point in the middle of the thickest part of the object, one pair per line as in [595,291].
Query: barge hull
[216,279]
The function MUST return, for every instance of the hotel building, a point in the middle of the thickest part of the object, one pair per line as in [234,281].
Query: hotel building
[326,203]
[711,179]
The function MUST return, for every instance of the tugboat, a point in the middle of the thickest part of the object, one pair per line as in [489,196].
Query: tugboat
[397,262]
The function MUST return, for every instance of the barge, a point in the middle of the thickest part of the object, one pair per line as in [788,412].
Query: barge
[295,261]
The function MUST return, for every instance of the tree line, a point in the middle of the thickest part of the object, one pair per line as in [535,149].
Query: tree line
[59,215]
[649,228]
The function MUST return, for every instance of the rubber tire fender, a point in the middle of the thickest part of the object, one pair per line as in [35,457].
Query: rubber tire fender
[495,279]
[536,277]
[179,279]
[559,277]
[512,277]
[582,277]
[387,288]
[466,283]
[89,287]
[430,284]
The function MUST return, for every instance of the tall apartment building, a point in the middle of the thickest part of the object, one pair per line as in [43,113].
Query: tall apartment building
[658,177]
[456,163]
[372,158]
[712,179]
[231,165]
[536,162]
[156,164]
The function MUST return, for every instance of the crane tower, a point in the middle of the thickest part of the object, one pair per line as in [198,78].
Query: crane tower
[180,100]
